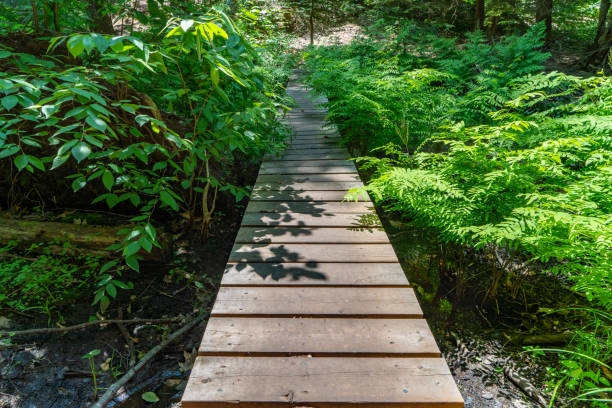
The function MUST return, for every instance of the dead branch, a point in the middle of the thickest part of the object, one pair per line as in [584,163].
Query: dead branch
[48,330]
[110,391]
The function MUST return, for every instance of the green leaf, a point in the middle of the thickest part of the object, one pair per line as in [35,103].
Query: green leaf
[36,162]
[150,397]
[131,249]
[107,266]
[108,180]
[104,303]
[168,200]
[81,151]
[21,161]
[111,290]
[59,160]
[78,184]
[9,102]
[9,151]
[96,123]
[132,262]
[75,45]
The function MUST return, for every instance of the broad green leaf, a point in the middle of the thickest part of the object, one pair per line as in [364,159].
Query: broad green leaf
[81,151]
[21,161]
[96,123]
[168,200]
[9,102]
[108,180]
[75,45]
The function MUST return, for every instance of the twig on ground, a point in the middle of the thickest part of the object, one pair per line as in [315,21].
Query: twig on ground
[48,330]
[524,385]
[110,391]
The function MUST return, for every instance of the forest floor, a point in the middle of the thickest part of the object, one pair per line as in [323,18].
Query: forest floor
[48,370]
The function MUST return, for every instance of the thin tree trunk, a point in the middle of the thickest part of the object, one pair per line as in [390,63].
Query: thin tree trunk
[604,7]
[45,16]
[312,22]
[544,10]
[56,22]
[479,15]
[35,16]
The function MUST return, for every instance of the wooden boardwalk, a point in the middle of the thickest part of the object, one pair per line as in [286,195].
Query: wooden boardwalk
[314,309]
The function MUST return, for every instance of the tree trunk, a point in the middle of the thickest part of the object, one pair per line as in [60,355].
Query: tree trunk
[35,16]
[604,7]
[312,22]
[544,10]
[479,15]
[102,20]
[56,22]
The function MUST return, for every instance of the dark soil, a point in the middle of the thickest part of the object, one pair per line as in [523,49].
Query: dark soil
[480,337]
[49,371]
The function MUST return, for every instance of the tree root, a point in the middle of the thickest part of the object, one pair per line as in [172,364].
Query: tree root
[110,391]
[48,330]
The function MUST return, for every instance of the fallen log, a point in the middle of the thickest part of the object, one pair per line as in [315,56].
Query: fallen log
[93,239]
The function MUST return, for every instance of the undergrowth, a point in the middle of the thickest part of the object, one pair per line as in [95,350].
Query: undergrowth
[476,142]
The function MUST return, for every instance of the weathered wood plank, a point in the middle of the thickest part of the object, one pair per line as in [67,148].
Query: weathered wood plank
[318,337]
[293,235]
[354,221]
[306,178]
[350,207]
[323,382]
[309,274]
[312,253]
[290,196]
[308,186]
[308,156]
[258,301]
[315,169]
[307,163]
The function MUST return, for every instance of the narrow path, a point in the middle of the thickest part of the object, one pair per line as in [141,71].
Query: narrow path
[314,309]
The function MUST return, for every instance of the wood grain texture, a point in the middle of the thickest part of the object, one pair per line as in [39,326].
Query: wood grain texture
[314,274]
[354,221]
[293,235]
[305,169]
[259,301]
[289,196]
[308,163]
[319,337]
[321,207]
[312,155]
[306,178]
[308,185]
[321,382]
[312,253]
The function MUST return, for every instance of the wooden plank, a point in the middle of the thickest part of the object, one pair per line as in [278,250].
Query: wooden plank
[308,235]
[310,148]
[323,382]
[354,221]
[261,301]
[312,253]
[308,163]
[308,186]
[296,178]
[308,156]
[292,196]
[318,337]
[350,207]
[310,274]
